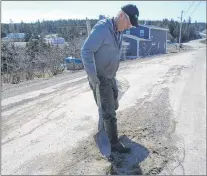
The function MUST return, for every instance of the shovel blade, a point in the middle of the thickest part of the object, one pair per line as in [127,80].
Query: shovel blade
[103,143]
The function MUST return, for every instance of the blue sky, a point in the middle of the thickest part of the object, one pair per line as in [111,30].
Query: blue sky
[31,11]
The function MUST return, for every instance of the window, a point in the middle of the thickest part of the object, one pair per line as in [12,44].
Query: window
[164,45]
[141,33]
[158,45]
[128,32]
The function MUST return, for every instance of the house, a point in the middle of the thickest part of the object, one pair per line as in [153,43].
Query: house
[145,40]
[58,40]
[54,39]
[5,39]
[15,37]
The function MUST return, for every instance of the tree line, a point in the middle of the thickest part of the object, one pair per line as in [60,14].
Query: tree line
[46,27]
[39,58]
[75,27]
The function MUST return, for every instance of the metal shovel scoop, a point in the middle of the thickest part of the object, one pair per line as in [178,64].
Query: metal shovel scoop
[101,138]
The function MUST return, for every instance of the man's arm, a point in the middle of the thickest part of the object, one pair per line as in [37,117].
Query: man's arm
[91,45]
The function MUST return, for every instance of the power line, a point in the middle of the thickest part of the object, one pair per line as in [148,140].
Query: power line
[192,13]
[195,8]
[189,8]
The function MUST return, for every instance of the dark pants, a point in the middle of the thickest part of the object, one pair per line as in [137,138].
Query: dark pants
[109,97]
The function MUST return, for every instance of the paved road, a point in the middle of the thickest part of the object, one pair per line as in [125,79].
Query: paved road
[48,130]
[189,103]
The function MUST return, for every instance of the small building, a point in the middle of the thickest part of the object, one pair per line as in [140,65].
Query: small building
[58,40]
[16,37]
[5,39]
[145,40]
[55,40]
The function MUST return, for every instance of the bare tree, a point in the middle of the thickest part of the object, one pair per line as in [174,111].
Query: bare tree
[55,58]
[37,59]
[73,49]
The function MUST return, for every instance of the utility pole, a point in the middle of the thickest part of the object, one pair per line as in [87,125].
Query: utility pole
[181,18]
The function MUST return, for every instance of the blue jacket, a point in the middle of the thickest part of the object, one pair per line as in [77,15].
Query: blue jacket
[103,47]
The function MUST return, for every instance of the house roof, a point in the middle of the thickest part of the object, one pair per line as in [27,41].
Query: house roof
[16,35]
[154,27]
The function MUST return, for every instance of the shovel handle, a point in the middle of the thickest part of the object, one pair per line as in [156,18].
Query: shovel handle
[98,97]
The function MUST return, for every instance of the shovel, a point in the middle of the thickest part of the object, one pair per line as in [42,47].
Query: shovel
[101,138]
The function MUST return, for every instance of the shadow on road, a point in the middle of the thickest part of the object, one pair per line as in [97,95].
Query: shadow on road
[128,164]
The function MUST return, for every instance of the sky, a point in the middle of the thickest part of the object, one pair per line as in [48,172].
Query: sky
[31,11]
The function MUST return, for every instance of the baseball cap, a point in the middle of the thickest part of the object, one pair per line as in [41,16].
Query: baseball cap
[133,13]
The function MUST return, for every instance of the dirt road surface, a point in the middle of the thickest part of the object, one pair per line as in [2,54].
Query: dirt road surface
[48,125]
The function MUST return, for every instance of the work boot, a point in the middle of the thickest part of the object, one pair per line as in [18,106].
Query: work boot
[111,129]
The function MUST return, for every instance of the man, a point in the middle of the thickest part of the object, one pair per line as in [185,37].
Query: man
[103,45]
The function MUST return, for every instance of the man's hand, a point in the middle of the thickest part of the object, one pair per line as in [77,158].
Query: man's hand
[93,79]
